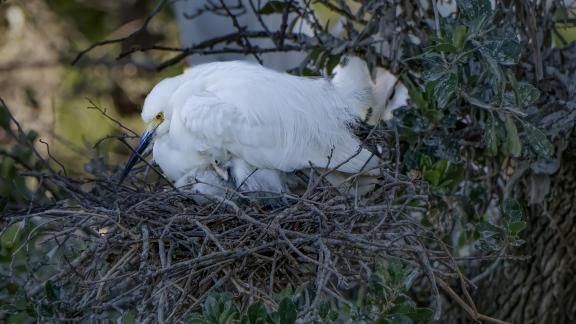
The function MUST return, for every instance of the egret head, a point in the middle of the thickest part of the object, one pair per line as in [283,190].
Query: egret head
[156,113]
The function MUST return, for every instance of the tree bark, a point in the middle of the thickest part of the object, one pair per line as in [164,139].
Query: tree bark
[541,289]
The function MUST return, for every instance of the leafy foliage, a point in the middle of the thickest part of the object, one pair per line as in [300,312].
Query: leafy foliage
[472,119]
[384,299]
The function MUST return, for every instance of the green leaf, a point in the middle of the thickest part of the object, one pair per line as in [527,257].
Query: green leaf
[273,7]
[425,161]
[516,227]
[129,318]
[512,210]
[474,9]
[435,175]
[527,94]
[496,71]
[441,166]
[478,103]
[445,47]
[505,51]
[332,62]
[414,93]
[333,315]
[219,309]
[287,312]
[538,141]
[11,236]
[459,36]
[513,144]
[444,90]
[255,314]
[434,73]
[432,176]
[490,139]
[421,315]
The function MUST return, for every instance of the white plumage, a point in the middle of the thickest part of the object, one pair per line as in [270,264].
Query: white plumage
[256,122]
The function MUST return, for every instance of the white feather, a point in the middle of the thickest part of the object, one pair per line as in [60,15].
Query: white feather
[266,119]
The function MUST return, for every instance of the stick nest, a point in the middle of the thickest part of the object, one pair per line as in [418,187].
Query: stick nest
[153,250]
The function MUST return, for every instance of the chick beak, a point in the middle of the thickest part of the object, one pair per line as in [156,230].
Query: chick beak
[138,152]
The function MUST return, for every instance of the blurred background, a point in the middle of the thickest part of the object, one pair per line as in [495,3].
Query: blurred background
[38,41]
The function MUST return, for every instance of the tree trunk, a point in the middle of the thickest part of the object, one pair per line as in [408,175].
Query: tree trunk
[541,289]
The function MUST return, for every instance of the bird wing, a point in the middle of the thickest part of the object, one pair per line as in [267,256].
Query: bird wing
[218,124]
[212,124]
[271,120]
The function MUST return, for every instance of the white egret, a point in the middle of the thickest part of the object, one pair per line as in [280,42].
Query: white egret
[255,121]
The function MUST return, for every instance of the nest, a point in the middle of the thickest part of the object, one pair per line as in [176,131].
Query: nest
[149,248]
[160,253]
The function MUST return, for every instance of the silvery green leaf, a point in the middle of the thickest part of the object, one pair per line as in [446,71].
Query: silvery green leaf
[512,210]
[474,9]
[509,99]
[538,141]
[490,139]
[444,89]
[433,74]
[496,70]
[527,94]
[478,103]
[505,51]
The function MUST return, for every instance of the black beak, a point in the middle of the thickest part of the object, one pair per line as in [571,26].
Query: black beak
[137,153]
